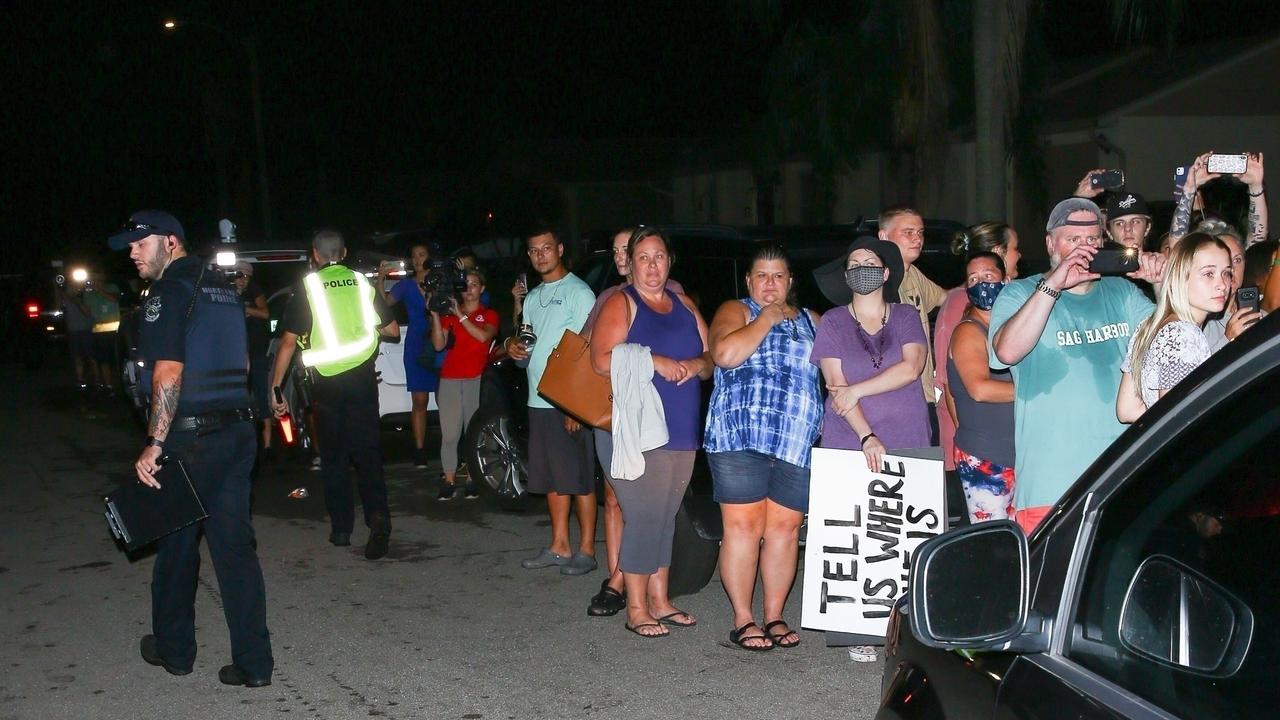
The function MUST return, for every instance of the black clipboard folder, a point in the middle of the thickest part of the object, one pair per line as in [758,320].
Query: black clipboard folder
[139,515]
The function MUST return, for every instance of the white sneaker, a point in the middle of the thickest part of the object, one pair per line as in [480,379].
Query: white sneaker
[863,653]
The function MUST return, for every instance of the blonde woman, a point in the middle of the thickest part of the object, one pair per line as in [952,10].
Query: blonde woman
[1171,343]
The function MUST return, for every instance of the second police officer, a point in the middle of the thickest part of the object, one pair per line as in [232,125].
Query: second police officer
[340,315]
[191,339]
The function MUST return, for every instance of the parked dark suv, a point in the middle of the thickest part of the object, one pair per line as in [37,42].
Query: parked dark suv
[711,262]
[1148,592]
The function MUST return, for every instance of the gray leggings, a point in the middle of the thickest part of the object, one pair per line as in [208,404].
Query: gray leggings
[649,506]
[458,400]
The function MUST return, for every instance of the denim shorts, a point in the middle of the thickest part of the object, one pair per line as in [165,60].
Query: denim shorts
[746,476]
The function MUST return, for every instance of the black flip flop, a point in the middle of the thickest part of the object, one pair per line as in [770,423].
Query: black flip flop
[777,637]
[636,629]
[739,637]
[669,619]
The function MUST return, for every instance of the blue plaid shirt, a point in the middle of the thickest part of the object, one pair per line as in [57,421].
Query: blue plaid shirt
[771,403]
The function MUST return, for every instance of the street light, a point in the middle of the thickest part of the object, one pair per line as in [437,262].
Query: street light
[255,90]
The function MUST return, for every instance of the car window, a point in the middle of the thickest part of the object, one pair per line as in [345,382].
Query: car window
[1210,500]
[598,272]
[709,281]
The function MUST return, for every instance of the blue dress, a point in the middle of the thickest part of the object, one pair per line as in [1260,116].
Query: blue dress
[415,336]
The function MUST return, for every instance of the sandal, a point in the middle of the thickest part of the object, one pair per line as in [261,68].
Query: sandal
[739,637]
[669,619]
[636,629]
[777,638]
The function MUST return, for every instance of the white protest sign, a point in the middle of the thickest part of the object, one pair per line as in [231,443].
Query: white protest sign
[864,528]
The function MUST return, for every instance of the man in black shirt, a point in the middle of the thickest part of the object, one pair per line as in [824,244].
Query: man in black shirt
[194,360]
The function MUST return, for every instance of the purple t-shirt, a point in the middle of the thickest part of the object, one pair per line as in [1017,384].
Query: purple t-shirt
[898,417]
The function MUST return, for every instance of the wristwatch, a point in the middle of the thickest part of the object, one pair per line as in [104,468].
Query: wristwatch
[1043,286]
[153,442]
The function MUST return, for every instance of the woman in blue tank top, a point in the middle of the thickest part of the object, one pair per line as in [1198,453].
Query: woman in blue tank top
[764,417]
[648,313]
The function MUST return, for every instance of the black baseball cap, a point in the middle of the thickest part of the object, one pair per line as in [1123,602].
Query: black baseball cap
[144,223]
[1121,204]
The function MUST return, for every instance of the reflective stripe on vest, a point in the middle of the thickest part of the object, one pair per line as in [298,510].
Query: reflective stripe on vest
[332,351]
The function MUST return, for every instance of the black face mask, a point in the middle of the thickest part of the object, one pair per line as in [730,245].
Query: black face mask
[864,279]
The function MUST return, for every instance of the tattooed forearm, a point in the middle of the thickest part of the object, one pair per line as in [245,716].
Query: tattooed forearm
[1257,219]
[164,405]
[1181,216]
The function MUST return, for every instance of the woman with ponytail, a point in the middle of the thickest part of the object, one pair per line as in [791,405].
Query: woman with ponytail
[980,399]
[988,237]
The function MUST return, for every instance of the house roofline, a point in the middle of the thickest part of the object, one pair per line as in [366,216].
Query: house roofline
[1151,98]
[1095,71]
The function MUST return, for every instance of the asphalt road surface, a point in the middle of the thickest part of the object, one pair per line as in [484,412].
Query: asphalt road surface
[447,626]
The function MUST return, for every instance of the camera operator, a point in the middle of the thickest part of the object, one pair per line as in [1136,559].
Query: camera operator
[468,327]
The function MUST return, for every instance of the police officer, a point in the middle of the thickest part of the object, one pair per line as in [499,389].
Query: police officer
[341,315]
[195,369]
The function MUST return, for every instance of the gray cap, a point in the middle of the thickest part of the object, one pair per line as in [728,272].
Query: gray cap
[1061,211]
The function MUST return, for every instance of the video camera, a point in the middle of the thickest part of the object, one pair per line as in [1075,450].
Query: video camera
[444,280]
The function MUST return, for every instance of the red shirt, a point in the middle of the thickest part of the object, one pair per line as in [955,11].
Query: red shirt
[467,356]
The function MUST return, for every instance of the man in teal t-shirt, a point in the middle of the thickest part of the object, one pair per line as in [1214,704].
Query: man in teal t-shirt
[1063,335]
[561,452]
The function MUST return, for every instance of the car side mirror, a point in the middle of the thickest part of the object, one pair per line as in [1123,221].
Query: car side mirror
[970,588]
[1179,618]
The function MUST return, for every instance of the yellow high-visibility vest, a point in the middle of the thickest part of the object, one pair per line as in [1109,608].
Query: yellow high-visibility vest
[344,321]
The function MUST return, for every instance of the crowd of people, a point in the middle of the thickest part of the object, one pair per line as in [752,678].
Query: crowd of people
[1015,356]
[1035,376]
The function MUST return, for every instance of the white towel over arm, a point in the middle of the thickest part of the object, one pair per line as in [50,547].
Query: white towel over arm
[639,422]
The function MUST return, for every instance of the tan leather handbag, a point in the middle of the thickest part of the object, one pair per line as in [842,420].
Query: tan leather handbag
[571,384]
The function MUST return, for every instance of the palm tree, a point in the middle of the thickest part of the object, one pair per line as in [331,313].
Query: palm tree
[999,35]
[841,85]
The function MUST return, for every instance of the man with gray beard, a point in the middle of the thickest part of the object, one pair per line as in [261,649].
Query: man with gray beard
[1063,335]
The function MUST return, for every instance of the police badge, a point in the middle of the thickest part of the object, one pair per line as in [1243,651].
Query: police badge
[151,310]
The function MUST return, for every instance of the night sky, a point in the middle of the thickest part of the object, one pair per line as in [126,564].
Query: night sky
[378,115]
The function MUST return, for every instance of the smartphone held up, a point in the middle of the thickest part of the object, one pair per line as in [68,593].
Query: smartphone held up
[1107,180]
[1234,164]
[1247,299]
[1114,260]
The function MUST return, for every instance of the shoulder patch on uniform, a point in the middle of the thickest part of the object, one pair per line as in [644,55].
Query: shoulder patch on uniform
[151,309]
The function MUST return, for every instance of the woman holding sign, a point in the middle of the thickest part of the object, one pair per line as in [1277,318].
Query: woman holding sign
[871,352]
[761,425]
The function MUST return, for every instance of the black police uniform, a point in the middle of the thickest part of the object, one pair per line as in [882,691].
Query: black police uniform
[194,317]
[348,429]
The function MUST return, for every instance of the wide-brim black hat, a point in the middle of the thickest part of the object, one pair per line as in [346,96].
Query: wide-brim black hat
[830,276]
